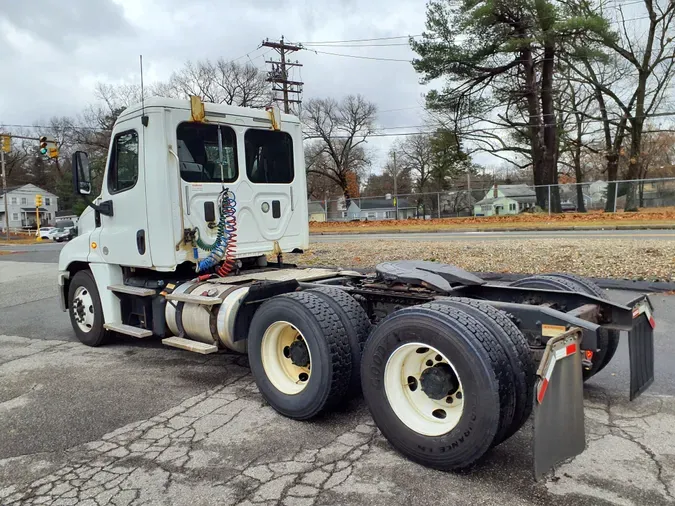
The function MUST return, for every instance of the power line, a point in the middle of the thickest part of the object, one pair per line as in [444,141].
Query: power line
[357,45]
[360,40]
[359,57]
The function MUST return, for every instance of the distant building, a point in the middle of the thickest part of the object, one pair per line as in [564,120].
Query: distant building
[505,199]
[380,209]
[21,207]
[316,211]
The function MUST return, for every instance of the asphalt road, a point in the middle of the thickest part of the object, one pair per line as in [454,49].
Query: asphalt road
[136,423]
[492,236]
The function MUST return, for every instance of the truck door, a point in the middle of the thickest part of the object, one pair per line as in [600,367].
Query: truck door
[270,208]
[123,237]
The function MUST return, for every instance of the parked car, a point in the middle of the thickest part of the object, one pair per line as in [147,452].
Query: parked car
[62,234]
[45,232]
[568,207]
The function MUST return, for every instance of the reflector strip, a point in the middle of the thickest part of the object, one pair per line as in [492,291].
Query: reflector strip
[542,391]
[644,308]
[565,352]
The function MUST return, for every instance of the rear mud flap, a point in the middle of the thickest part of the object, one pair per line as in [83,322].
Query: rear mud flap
[559,431]
[641,348]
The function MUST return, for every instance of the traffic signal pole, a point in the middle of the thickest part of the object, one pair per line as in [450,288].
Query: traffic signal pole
[4,191]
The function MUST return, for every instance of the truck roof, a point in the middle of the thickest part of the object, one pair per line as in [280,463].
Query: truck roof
[210,108]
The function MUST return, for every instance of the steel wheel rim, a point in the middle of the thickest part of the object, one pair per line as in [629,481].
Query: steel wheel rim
[418,411]
[83,309]
[286,376]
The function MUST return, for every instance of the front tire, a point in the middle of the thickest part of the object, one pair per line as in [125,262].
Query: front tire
[299,354]
[84,307]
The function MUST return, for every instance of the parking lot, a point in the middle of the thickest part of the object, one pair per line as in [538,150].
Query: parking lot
[134,422]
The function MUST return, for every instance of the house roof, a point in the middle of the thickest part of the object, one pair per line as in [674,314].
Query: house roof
[315,207]
[32,209]
[370,204]
[516,190]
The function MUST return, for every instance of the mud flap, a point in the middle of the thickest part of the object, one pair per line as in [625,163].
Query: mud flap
[559,431]
[641,348]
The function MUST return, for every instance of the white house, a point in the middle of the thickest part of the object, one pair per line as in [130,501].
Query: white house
[506,199]
[380,209]
[21,206]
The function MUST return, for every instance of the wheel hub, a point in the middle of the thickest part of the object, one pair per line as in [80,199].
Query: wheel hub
[439,381]
[299,354]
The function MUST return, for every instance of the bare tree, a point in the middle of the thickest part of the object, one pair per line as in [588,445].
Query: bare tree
[416,155]
[337,132]
[650,57]
[220,82]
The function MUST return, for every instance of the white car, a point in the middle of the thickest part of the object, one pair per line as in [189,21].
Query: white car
[45,232]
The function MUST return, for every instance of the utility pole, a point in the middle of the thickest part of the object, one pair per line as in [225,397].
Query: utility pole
[395,187]
[278,76]
[4,191]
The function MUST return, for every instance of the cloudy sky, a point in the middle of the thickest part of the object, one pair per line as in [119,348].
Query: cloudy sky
[53,52]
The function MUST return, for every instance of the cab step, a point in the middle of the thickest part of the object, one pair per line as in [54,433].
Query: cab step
[128,330]
[202,300]
[132,290]
[190,345]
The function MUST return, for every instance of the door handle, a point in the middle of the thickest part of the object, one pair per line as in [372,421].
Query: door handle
[140,241]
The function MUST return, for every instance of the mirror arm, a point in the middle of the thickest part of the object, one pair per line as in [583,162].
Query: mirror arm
[105,208]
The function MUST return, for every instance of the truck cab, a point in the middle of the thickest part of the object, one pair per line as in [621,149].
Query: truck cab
[168,164]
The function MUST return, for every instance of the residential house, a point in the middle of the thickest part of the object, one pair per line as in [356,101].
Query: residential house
[505,199]
[21,207]
[380,209]
[316,211]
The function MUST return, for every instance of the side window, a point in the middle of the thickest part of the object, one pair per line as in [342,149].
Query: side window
[269,156]
[123,170]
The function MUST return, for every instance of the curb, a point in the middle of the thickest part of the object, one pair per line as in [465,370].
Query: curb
[515,229]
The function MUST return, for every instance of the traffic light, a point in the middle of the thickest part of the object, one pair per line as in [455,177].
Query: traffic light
[38,200]
[48,147]
[5,143]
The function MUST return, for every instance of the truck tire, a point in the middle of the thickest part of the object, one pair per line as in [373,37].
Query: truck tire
[357,327]
[514,344]
[416,366]
[560,283]
[613,336]
[84,308]
[299,354]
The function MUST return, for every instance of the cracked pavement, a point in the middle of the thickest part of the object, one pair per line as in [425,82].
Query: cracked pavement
[135,423]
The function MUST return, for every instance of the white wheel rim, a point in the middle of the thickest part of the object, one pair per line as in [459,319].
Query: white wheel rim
[83,309]
[286,376]
[403,387]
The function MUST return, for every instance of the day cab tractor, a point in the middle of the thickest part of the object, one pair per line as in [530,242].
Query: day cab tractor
[197,197]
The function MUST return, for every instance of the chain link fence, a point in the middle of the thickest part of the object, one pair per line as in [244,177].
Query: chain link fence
[498,200]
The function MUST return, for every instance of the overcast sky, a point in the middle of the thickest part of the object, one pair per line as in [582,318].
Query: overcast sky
[53,52]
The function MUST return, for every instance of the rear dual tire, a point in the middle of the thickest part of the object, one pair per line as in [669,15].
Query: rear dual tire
[468,352]
[301,354]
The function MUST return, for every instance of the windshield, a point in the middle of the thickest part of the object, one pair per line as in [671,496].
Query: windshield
[207,153]
[269,156]
[65,223]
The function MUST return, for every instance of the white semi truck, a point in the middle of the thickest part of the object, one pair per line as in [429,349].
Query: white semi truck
[199,203]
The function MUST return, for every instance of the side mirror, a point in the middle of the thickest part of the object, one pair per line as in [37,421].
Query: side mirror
[81,173]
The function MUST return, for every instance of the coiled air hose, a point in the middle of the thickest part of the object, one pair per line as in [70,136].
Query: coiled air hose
[223,248]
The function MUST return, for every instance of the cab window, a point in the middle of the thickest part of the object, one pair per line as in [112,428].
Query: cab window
[269,156]
[123,170]
[203,159]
